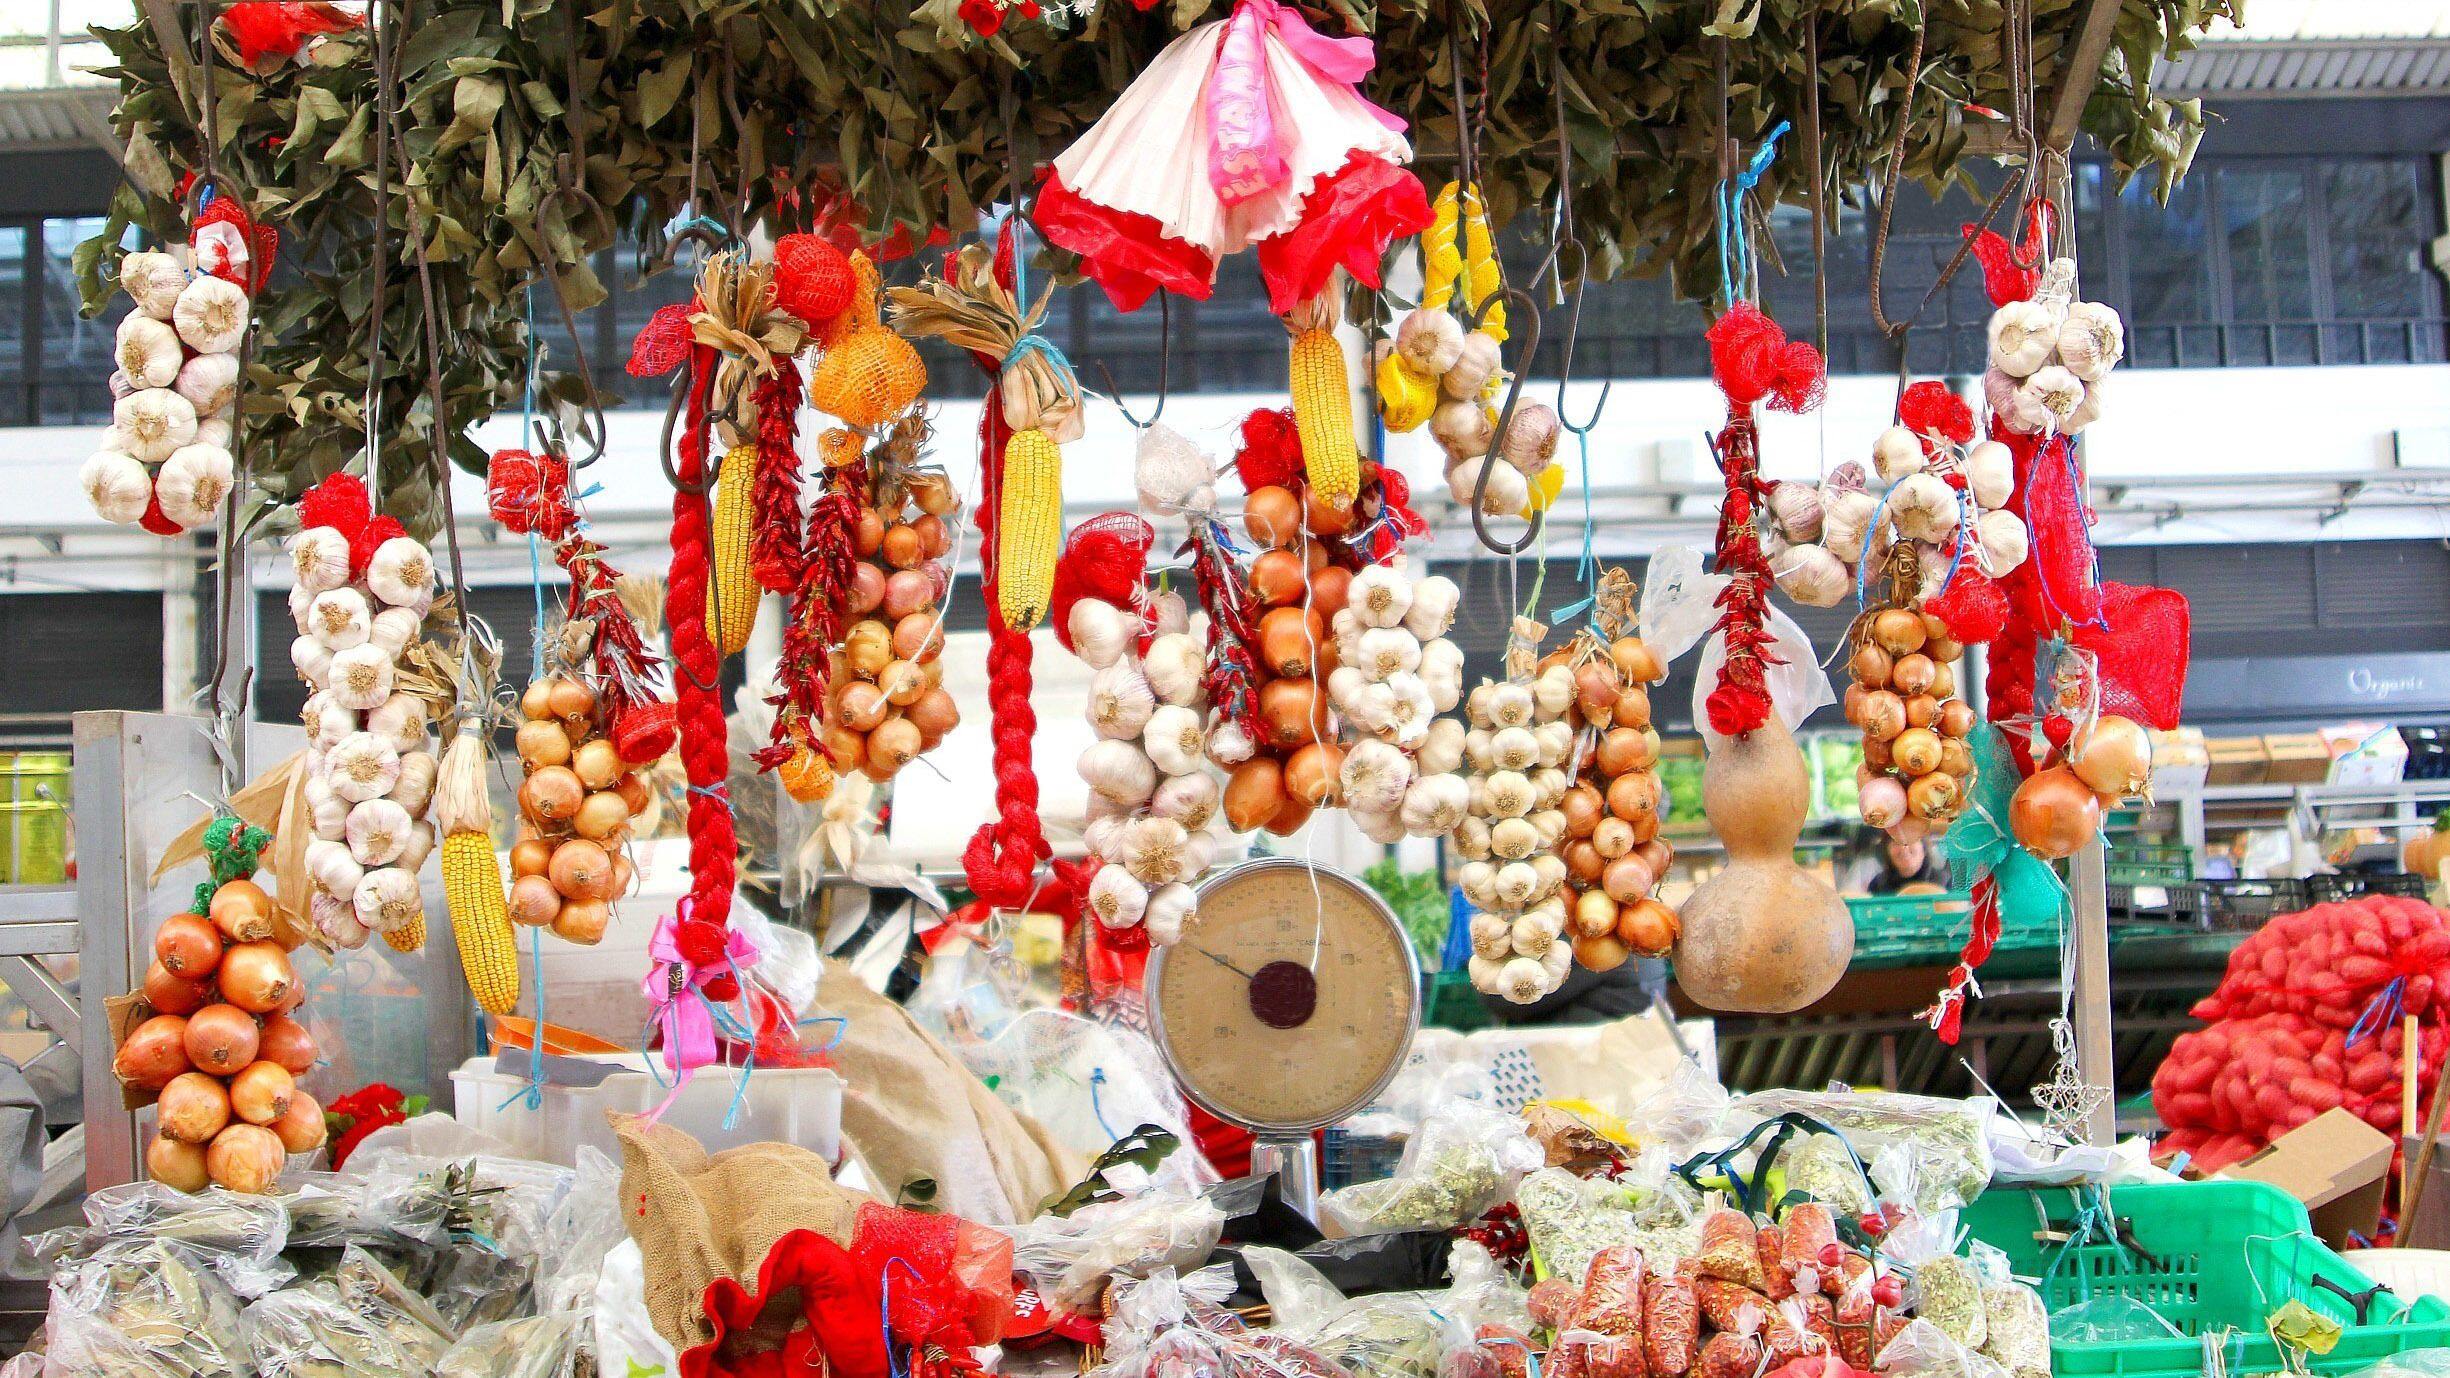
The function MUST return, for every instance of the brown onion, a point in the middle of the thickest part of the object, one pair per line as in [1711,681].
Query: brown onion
[2116,757]
[1956,757]
[581,870]
[868,586]
[242,911]
[260,1093]
[867,532]
[284,1040]
[194,1107]
[301,1130]
[868,647]
[1632,707]
[188,945]
[1596,686]
[534,901]
[1613,837]
[571,699]
[1289,817]
[934,714]
[536,701]
[934,536]
[1913,674]
[1593,913]
[1277,579]
[1658,854]
[1315,774]
[1324,518]
[1934,796]
[623,874]
[582,922]
[1634,798]
[902,547]
[1634,660]
[1583,863]
[1273,516]
[1851,703]
[553,794]
[1922,710]
[542,742]
[246,1158]
[601,817]
[221,1039]
[153,1052]
[2054,813]
[848,749]
[1916,750]
[1624,750]
[1876,751]
[1254,793]
[598,764]
[1627,880]
[1289,639]
[1881,801]
[1871,666]
[1600,952]
[1943,680]
[1330,589]
[1883,715]
[169,993]
[1583,808]
[1945,650]
[257,977]
[902,683]
[918,637]
[1898,630]
[529,856]
[634,791]
[891,746]
[863,706]
[1648,927]
[175,1165]
[1956,718]
[1292,713]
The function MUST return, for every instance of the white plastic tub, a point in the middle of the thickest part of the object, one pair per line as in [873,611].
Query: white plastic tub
[793,1105]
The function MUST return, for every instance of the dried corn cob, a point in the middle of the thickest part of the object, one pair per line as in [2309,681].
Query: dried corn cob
[471,877]
[1323,401]
[734,607]
[1029,526]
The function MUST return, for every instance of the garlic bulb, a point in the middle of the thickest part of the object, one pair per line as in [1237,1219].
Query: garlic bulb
[319,558]
[1383,827]
[1492,935]
[415,787]
[1168,613]
[1116,898]
[116,485]
[1175,739]
[1475,367]
[1121,701]
[1190,800]
[1445,688]
[1371,707]
[333,867]
[387,898]
[1344,685]
[1514,749]
[1098,633]
[1434,600]
[147,351]
[1812,576]
[1472,834]
[1119,770]
[1387,650]
[2091,340]
[362,677]
[1175,664]
[392,629]
[329,725]
[1508,794]
[400,720]
[1153,850]
[2023,335]
[313,662]
[400,572]
[420,846]
[2047,399]
[153,280]
[361,767]
[1103,834]
[335,917]
[1230,744]
[1375,776]
[1463,428]
[1429,340]
[2087,411]
[1522,981]
[154,422]
[2004,541]
[1923,507]
[211,315]
[192,483]
[378,830]
[1535,932]
[340,619]
[1441,749]
[1897,453]
[1990,474]
[1795,507]
[1507,494]
[1510,705]
[1846,520]
[1514,886]
[1556,741]
[209,382]
[216,430]
[1379,597]
[1530,442]
[1171,908]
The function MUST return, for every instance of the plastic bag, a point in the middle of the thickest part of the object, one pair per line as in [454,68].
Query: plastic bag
[1483,1292]
[146,1306]
[1923,1350]
[546,1346]
[1943,1288]
[1569,1219]
[1071,1258]
[241,1236]
[1465,1158]
[1680,606]
[2109,1319]
[1930,1153]
[2017,1327]
[365,1286]
[580,1230]
[1153,1331]
[1824,1168]
[625,1339]
[2413,1363]
[306,1332]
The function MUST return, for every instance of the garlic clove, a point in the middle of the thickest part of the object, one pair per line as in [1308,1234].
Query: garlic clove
[147,352]
[400,572]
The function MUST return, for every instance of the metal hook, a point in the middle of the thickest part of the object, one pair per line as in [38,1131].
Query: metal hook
[1165,366]
[1530,321]
[598,433]
[1573,332]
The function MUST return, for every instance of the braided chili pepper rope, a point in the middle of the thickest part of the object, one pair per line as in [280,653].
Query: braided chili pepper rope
[776,553]
[713,846]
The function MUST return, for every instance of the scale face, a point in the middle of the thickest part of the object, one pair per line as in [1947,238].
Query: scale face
[1291,1001]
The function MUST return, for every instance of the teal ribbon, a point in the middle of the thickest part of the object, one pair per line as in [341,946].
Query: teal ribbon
[1979,842]
[1735,257]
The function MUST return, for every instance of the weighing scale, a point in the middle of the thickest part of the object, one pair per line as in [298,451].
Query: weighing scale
[1287,1005]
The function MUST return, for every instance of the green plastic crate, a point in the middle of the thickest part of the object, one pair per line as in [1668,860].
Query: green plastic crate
[1917,930]
[1449,1002]
[2221,1255]
[2149,863]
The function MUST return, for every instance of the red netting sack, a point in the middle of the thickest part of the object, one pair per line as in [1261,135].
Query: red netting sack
[1972,605]
[1347,222]
[2142,652]
[1271,451]
[812,278]
[946,1281]
[529,494]
[1105,557]
[2332,961]
[2058,526]
[1929,408]
[662,343]
[1755,363]
[262,29]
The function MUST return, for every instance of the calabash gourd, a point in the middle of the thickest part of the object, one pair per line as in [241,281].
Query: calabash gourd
[1763,936]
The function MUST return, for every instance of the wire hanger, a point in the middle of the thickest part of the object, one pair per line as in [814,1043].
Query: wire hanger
[1165,366]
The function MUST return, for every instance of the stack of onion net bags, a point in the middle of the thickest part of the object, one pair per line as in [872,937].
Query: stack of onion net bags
[2312,1015]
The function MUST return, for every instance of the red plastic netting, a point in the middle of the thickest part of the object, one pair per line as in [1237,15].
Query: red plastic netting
[1755,363]
[946,1281]
[1105,557]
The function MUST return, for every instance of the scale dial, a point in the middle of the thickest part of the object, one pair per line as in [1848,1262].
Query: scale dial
[1291,1001]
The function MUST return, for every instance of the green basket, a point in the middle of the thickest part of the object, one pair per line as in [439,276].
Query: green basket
[2147,863]
[1449,1002]
[1920,930]
[2209,1257]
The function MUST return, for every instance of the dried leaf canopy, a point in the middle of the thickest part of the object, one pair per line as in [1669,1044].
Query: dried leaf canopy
[794,105]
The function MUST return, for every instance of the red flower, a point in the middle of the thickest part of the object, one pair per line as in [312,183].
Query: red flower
[1027,9]
[984,16]
[352,1117]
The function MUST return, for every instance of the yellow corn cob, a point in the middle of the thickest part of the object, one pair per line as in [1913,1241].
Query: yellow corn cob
[734,610]
[471,878]
[1323,413]
[408,937]
[1028,528]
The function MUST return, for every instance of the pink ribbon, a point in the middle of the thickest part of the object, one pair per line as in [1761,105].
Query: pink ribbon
[1246,151]
[681,1012]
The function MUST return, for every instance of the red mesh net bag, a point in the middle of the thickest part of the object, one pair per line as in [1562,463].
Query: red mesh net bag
[946,1281]
[1973,605]
[812,278]
[529,494]
[2142,652]
[662,342]
[2051,496]
[1271,450]
[1105,557]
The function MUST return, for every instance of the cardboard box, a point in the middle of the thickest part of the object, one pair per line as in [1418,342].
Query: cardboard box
[2236,761]
[2180,761]
[2297,758]
[2365,753]
[2337,1165]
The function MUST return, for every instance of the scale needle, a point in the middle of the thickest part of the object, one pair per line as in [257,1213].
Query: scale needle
[1195,947]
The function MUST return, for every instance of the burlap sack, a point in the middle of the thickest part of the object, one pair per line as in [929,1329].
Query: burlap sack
[697,1217]
[913,1111]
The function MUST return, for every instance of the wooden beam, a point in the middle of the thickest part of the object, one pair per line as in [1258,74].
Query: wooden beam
[2079,73]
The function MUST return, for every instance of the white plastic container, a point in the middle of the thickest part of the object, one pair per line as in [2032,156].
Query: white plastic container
[793,1105]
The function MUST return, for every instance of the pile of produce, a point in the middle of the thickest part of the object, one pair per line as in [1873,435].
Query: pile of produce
[575,810]
[213,1041]
[2309,1017]
[166,463]
[1917,765]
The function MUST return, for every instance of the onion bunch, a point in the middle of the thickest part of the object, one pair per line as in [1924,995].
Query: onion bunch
[576,807]
[885,701]
[165,463]
[215,1043]
[1397,672]
[1918,766]
[359,601]
[1614,857]
[1155,807]
[1286,761]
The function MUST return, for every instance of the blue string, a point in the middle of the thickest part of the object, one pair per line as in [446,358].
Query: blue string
[698,220]
[1586,564]
[721,794]
[1735,258]
[894,1365]
[1863,562]
[842,1030]
[1039,344]
[2381,1012]
[533,1092]
[1097,1078]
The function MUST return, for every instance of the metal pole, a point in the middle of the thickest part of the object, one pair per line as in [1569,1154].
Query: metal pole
[2089,889]
[107,896]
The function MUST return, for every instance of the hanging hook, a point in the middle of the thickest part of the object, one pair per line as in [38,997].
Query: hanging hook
[1530,324]
[1165,366]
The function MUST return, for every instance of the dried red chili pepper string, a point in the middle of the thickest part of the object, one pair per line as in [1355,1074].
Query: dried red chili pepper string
[818,615]
[776,546]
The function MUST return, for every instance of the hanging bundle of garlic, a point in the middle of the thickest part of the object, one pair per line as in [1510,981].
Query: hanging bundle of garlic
[1517,748]
[361,594]
[1153,803]
[1397,672]
[165,463]
[2049,356]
